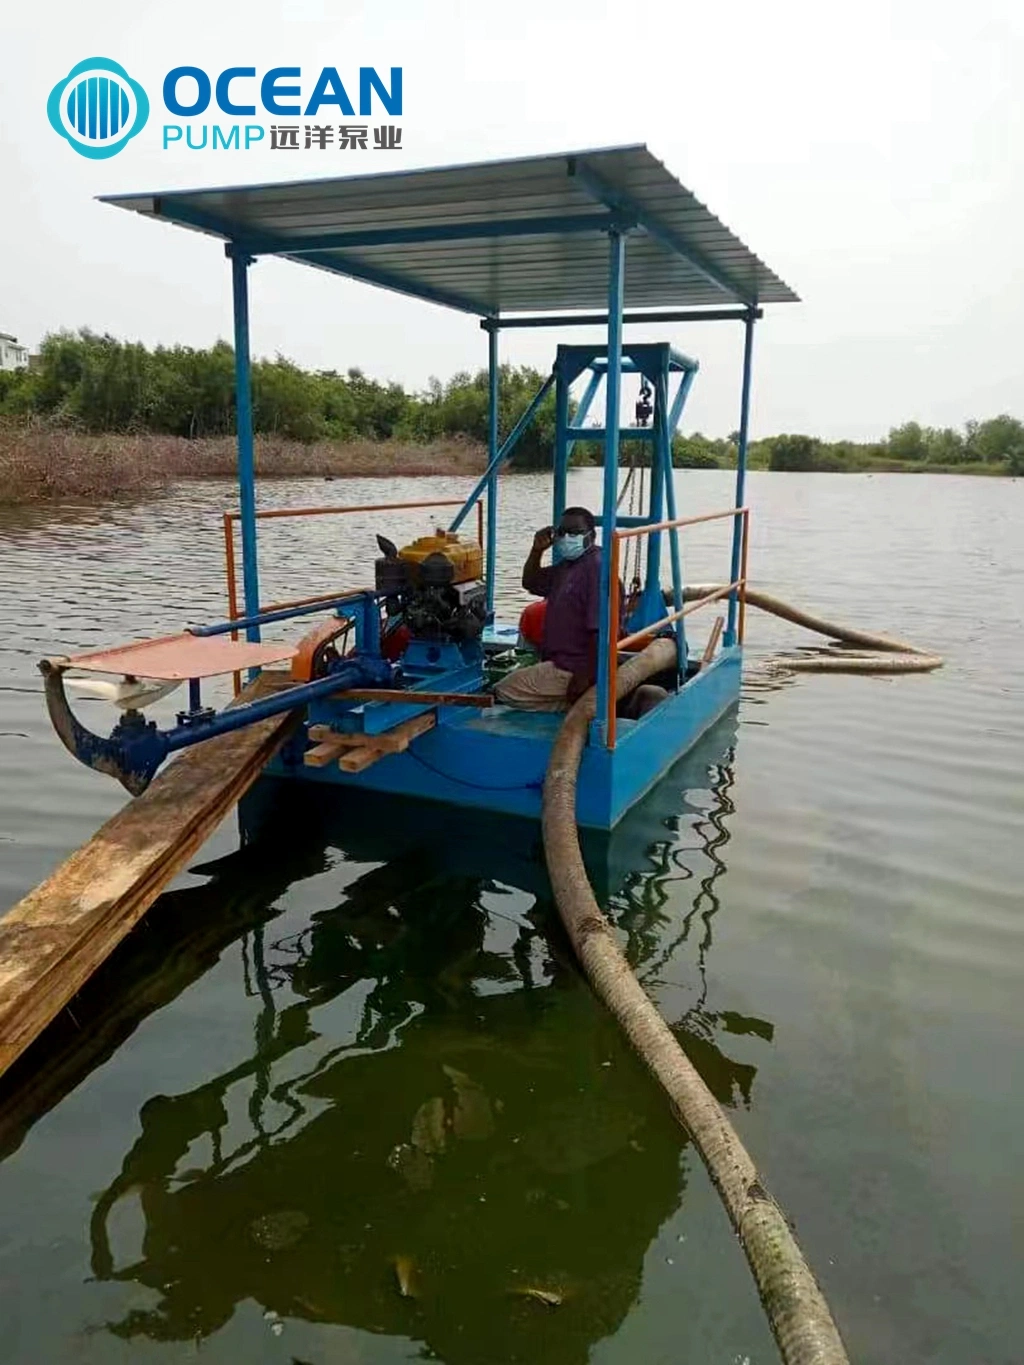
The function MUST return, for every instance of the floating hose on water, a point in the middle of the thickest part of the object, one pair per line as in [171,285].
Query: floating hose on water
[797,1312]
[877,653]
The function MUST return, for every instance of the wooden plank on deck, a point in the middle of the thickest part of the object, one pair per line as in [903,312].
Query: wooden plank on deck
[52,941]
[357,751]
[325,751]
[356,760]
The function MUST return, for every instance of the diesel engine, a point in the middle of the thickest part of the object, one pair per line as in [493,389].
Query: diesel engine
[433,586]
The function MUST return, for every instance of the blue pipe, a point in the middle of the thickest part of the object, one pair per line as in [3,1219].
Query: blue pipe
[578,433]
[583,411]
[362,672]
[627,366]
[608,627]
[243,419]
[284,614]
[679,402]
[601,319]
[511,441]
[741,476]
[359,239]
[135,748]
[493,389]
[677,360]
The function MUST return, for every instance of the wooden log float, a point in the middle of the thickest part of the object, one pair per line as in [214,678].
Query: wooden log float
[52,941]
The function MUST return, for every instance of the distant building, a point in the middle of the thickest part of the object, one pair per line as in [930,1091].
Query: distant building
[12,355]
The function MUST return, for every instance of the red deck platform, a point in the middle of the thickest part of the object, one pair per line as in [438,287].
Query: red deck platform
[178,657]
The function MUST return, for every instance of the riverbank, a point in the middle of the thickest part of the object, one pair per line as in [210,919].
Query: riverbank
[761,460]
[41,464]
[47,464]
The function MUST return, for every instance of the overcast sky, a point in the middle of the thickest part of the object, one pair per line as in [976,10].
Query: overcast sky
[871,154]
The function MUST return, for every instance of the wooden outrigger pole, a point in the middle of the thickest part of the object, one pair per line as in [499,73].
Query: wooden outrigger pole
[52,941]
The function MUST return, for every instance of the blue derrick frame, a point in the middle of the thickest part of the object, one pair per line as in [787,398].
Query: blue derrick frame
[659,363]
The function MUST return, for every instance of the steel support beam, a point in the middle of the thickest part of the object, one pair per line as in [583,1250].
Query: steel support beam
[258,243]
[605,193]
[266,244]
[399,284]
[563,447]
[741,479]
[493,389]
[188,216]
[505,450]
[679,402]
[589,393]
[601,319]
[240,263]
[609,631]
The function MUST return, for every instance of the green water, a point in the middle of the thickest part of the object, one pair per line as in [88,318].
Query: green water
[343,1097]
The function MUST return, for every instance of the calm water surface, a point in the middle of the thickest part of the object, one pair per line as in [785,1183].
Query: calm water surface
[348,1053]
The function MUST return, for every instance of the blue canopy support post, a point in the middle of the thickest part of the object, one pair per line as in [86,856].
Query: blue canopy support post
[493,381]
[562,447]
[609,629]
[240,263]
[729,638]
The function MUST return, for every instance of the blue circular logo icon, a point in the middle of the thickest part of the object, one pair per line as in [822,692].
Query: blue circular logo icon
[97,107]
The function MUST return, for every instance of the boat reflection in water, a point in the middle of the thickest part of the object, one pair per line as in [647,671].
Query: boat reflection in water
[438,1134]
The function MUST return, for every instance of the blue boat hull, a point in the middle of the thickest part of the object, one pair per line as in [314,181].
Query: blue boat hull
[496,759]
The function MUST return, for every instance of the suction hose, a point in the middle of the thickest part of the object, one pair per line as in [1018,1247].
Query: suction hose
[880,653]
[797,1312]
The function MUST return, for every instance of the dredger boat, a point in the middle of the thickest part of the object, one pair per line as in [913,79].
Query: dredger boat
[393,688]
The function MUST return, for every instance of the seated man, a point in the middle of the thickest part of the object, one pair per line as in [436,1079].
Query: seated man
[573,590]
[568,648]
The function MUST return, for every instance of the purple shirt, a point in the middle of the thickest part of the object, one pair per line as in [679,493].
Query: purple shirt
[573,590]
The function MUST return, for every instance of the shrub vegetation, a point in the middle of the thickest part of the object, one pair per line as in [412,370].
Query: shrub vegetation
[98,386]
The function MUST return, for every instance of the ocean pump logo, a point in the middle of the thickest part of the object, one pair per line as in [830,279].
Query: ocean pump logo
[98,108]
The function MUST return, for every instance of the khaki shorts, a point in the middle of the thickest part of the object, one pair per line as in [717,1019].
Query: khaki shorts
[539,687]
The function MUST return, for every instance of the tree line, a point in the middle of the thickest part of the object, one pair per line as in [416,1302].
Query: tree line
[100,384]
[996,446]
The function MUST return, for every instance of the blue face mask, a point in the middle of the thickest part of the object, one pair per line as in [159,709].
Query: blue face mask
[572,546]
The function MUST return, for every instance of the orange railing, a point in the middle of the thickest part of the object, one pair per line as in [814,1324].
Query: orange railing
[644,637]
[274,513]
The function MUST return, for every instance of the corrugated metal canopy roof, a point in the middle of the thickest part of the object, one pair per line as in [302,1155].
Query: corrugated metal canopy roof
[495,237]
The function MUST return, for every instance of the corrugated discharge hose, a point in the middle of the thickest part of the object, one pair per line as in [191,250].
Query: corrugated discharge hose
[797,1312]
[877,653]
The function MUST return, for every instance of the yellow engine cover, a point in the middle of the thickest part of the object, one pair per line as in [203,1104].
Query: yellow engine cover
[465,556]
